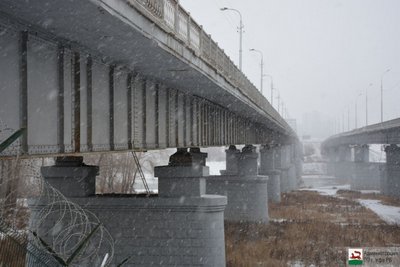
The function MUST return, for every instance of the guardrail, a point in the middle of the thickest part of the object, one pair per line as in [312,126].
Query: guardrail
[169,15]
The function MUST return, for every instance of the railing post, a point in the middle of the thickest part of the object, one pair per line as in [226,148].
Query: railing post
[188,29]
[210,48]
[162,7]
[201,40]
[176,16]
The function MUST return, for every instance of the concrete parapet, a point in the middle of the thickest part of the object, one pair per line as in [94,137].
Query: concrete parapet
[247,196]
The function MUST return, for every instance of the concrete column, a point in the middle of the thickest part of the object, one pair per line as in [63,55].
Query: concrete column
[71,177]
[247,191]
[283,165]
[232,161]
[267,158]
[180,227]
[366,175]
[332,157]
[293,182]
[299,163]
[267,167]
[393,171]
[247,163]
[344,166]
[361,153]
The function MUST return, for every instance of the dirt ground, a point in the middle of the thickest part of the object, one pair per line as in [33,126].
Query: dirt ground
[309,228]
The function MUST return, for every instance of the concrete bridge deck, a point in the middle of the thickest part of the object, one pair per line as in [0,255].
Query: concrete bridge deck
[109,75]
[387,132]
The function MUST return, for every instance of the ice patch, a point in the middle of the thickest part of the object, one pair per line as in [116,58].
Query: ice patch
[389,214]
[328,190]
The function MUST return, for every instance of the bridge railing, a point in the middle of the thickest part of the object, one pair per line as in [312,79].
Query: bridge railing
[169,15]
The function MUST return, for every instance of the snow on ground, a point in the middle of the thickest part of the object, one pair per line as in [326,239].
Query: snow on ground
[389,214]
[328,190]
[328,186]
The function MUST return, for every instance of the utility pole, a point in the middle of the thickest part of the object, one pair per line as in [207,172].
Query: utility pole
[355,115]
[343,122]
[383,74]
[366,106]
[348,118]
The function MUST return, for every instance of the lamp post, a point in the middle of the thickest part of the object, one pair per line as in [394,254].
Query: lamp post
[272,88]
[355,112]
[383,74]
[366,105]
[262,67]
[279,102]
[240,33]
[355,116]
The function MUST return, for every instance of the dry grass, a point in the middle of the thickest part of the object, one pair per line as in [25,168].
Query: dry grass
[11,253]
[316,230]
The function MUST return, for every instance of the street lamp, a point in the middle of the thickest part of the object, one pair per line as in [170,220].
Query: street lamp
[366,105]
[272,88]
[355,111]
[240,33]
[262,67]
[278,97]
[383,74]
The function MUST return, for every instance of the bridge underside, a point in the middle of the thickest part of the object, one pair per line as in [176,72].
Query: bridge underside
[83,80]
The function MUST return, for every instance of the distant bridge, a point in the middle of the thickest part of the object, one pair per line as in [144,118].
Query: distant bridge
[111,75]
[348,155]
[387,132]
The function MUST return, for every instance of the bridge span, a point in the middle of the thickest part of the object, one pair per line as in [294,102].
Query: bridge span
[348,155]
[87,76]
[91,76]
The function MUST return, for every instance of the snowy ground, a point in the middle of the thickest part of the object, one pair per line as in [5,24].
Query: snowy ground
[328,186]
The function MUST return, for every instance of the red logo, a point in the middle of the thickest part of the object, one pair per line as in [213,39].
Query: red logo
[357,256]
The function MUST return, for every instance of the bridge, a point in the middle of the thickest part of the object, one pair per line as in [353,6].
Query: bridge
[91,76]
[348,153]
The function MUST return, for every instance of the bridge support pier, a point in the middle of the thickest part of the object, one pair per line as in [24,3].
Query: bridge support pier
[392,183]
[332,159]
[282,164]
[366,175]
[267,167]
[72,177]
[344,166]
[180,227]
[247,192]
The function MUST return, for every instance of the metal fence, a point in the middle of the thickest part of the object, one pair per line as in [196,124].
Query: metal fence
[169,15]
[16,250]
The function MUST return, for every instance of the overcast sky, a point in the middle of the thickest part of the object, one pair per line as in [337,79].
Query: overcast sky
[322,54]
